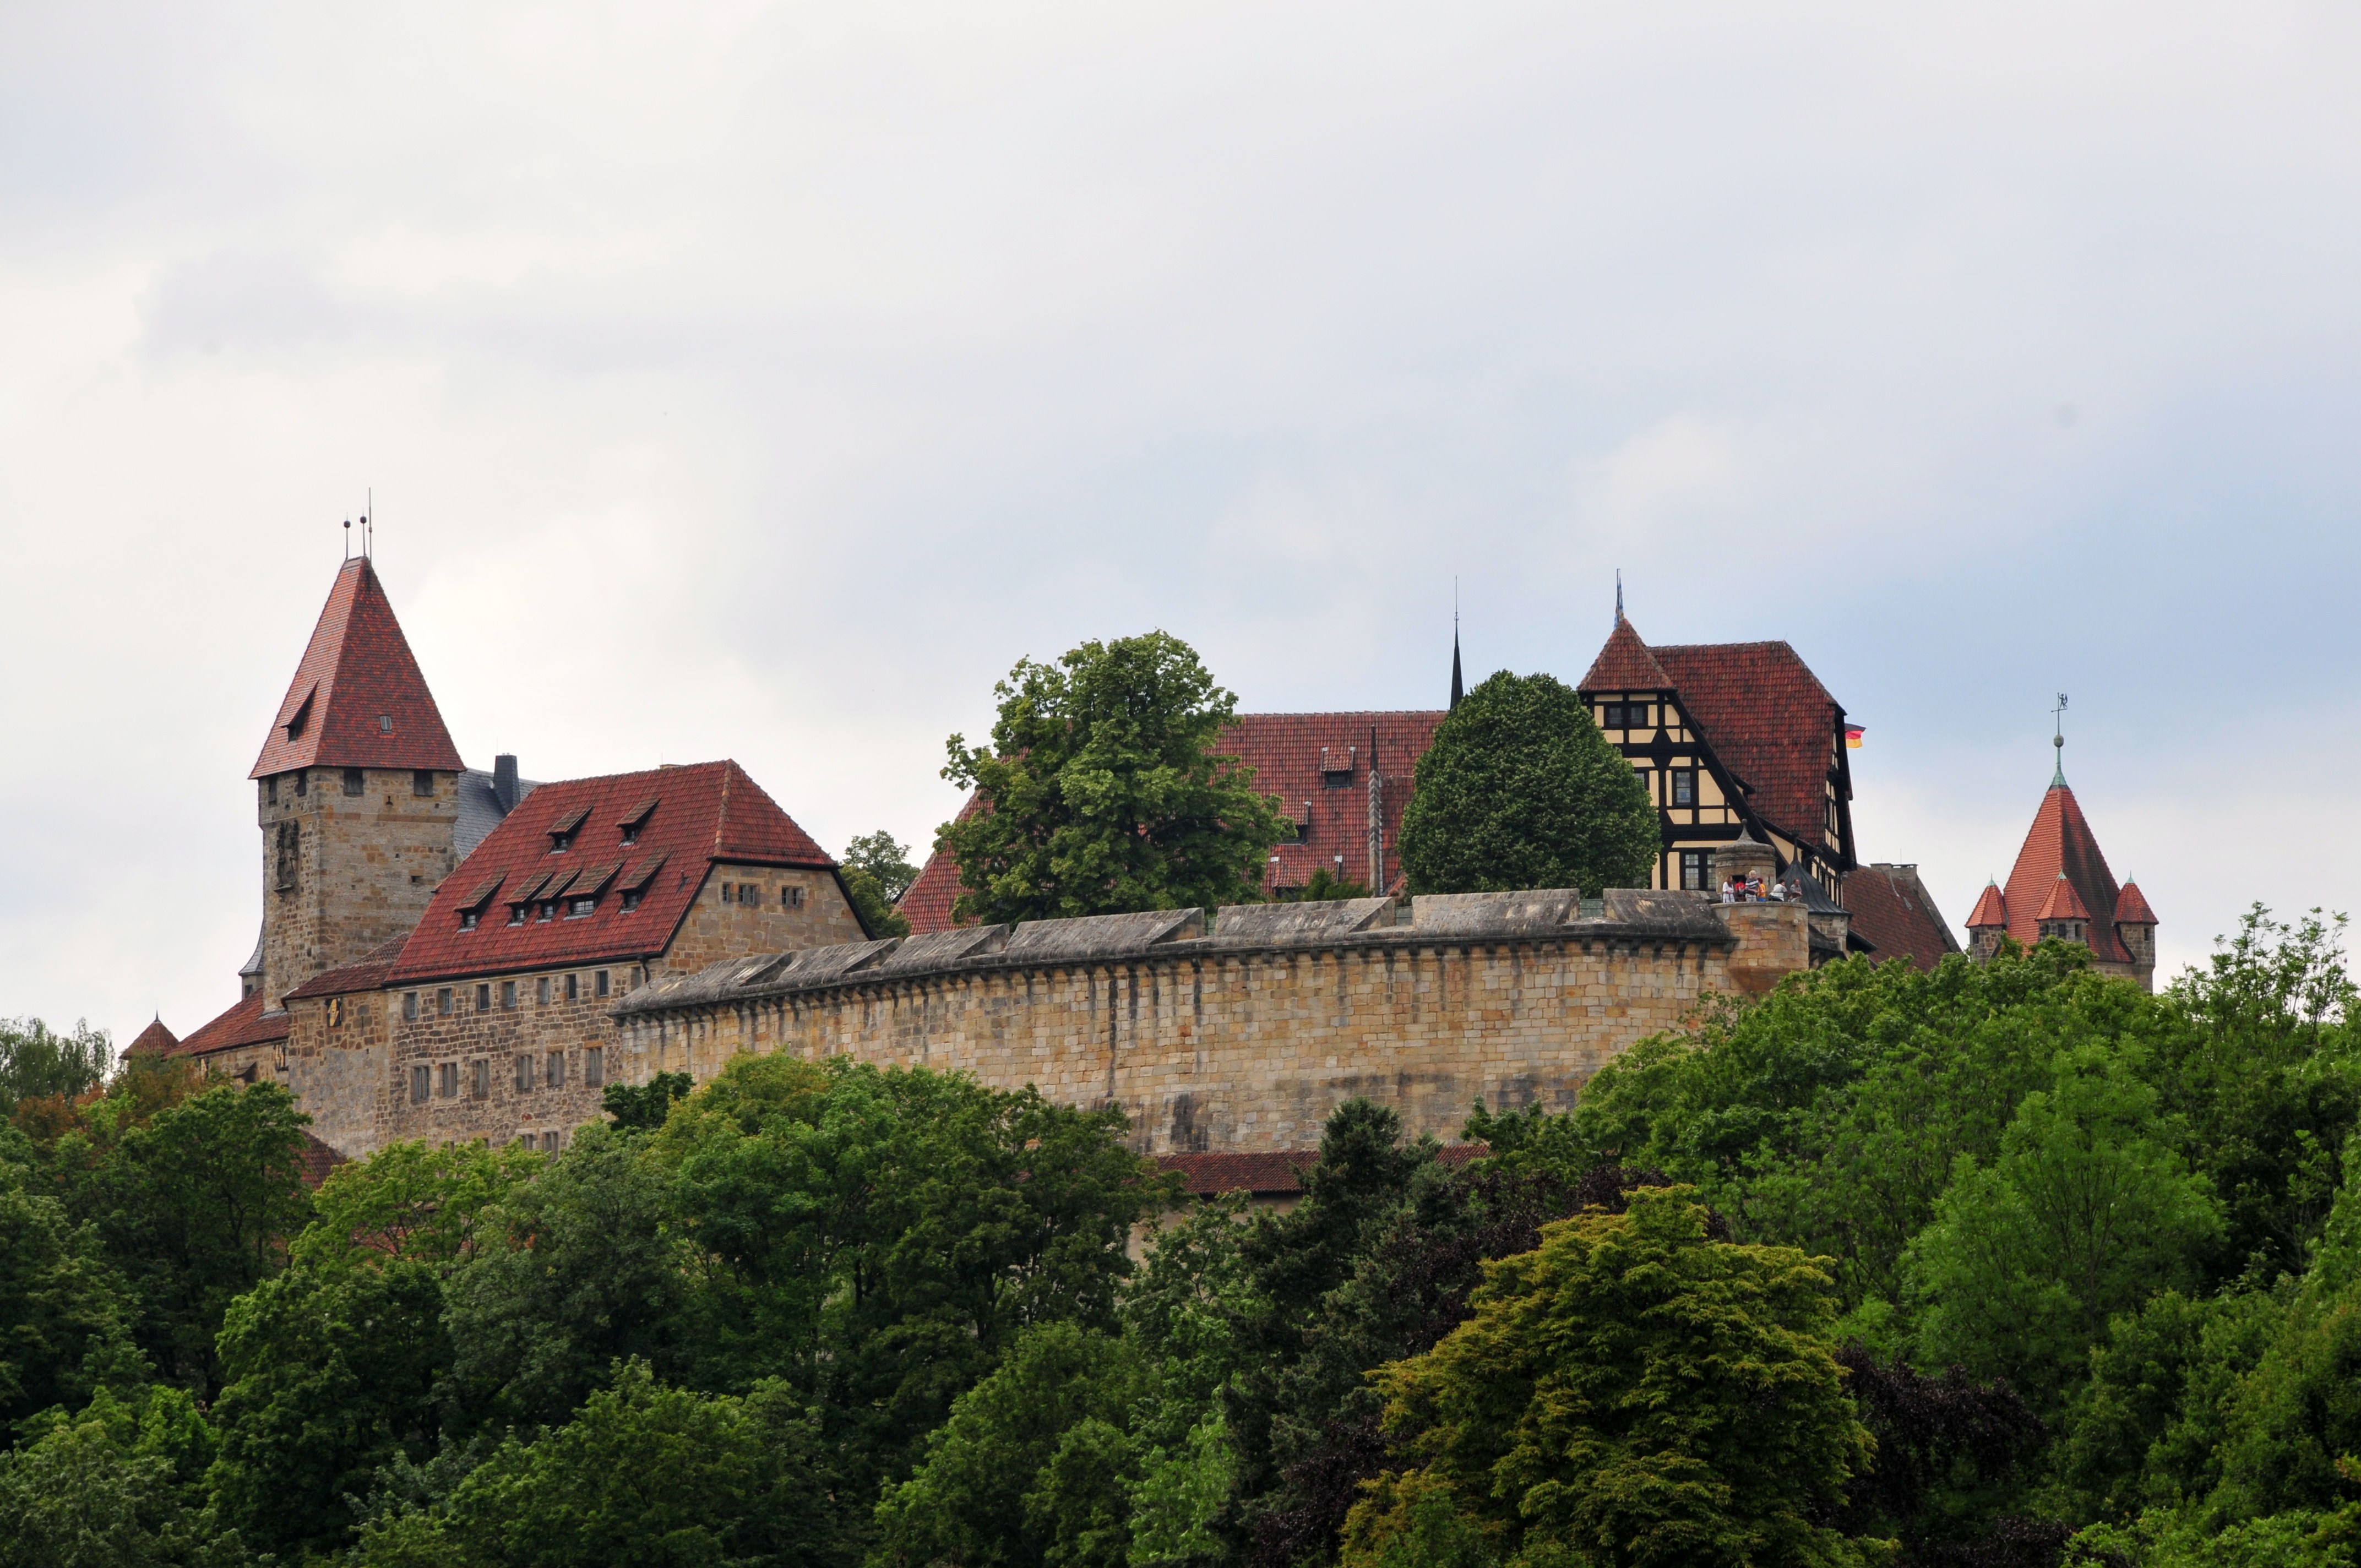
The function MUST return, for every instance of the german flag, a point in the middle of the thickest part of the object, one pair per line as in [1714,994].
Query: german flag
[1853,737]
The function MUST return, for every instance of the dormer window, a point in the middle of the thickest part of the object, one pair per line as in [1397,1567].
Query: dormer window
[637,818]
[562,831]
[635,886]
[385,724]
[631,901]
[1336,766]
[302,719]
[471,912]
[467,920]
[1625,715]
[575,908]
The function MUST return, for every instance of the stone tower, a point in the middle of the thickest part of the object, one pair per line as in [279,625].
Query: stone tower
[2060,887]
[358,794]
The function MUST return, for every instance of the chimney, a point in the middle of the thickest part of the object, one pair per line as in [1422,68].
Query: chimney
[504,780]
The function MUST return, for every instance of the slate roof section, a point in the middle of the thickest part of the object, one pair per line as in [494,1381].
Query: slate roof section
[363,701]
[479,809]
[1769,720]
[1892,911]
[1285,751]
[707,812]
[2061,840]
[1275,1173]
[364,973]
[245,1023]
[155,1040]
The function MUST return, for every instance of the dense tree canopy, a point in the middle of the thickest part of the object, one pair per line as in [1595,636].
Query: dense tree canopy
[1104,791]
[877,871]
[1520,790]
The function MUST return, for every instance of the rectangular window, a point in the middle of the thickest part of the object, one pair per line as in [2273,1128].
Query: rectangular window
[549,912]
[594,1067]
[353,781]
[479,1075]
[466,920]
[508,996]
[580,908]
[557,1069]
[631,900]
[1693,868]
[422,782]
[541,990]
[302,782]
[270,789]
[524,1075]
[447,1081]
[573,987]
[793,898]
[1684,786]
[727,895]
[442,1002]
[549,1143]
[601,978]
[484,998]
[410,1007]
[422,1084]
[289,840]
[516,913]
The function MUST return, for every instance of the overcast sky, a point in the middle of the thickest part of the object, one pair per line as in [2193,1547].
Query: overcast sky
[761,380]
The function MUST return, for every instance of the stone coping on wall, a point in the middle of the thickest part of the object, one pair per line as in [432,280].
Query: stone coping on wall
[1633,914]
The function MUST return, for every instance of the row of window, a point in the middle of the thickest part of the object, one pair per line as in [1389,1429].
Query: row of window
[546,988]
[566,827]
[355,781]
[441,1081]
[751,895]
[548,1141]
[1625,715]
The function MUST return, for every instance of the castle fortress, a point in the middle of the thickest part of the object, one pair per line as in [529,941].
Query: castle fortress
[447,953]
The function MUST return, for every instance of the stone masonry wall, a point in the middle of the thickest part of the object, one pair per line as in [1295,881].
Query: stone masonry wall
[364,868]
[1247,1045]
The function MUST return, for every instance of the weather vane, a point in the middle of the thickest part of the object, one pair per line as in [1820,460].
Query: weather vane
[2057,738]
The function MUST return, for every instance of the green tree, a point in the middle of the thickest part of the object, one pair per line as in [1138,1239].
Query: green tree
[2089,1209]
[117,1486]
[1520,790]
[1631,1392]
[1103,791]
[638,1108]
[64,1316]
[333,1365]
[877,871]
[37,1061]
[196,1206]
[643,1477]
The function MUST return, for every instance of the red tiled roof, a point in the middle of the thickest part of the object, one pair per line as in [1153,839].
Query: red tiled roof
[365,974]
[2061,841]
[1890,908]
[1625,664]
[1273,1173]
[318,1159]
[2130,908]
[707,812]
[155,1040]
[1991,909]
[245,1023]
[1286,752]
[357,674]
[1768,719]
[2063,902]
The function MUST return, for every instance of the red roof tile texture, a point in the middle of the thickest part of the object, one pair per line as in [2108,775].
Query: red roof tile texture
[1625,664]
[1992,909]
[318,1159]
[1318,765]
[1892,910]
[155,1040]
[2131,907]
[706,813]
[1769,720]
[1273,1173]
[367,974]
[245,1023]
[2061,840]
[2063,902]
[358,699]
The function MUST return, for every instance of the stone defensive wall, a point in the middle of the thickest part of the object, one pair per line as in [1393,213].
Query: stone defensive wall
[1243,1035]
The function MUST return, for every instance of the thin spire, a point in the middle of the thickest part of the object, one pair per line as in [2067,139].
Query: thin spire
[1618,598]
[2057,740]
[1457,689]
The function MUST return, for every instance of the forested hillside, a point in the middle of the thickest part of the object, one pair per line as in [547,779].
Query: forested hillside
[2011,1265]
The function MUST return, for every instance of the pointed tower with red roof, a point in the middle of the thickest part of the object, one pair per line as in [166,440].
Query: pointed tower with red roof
[2058,888]
[358,793]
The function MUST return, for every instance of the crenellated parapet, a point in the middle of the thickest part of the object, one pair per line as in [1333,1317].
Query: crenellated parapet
[1243,1032]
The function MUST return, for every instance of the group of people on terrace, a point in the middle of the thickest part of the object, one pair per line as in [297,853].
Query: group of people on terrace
[1752,890]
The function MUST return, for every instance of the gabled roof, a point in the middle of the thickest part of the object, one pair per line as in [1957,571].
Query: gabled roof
[1625,664]
[155,1040]
[2063,902]
[706,813]
[2131,907]
[1992,909]
[245,1023]
[1891,908]
[357,699]
[1289,753]
[2061,840]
